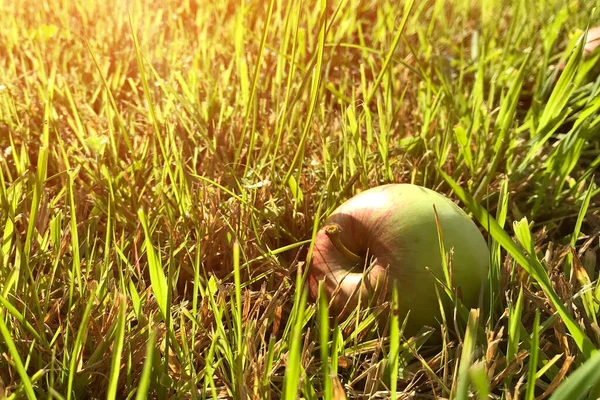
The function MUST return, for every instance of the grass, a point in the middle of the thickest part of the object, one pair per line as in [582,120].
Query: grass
[164,167]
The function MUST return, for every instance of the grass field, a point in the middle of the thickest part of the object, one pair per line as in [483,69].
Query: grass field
[164,166]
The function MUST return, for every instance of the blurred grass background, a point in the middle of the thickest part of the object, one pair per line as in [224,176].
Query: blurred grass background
[163,166]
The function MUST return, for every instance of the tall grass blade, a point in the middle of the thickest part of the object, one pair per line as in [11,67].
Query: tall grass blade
[532,266]
[157,274]
[14,354]
[77,351]
[293,371]
[576,385]
[324,343]
[533,358]
[142,390]
[466,357]
[113,379]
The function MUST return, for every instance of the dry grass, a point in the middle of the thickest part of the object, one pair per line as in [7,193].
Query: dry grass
[163,166]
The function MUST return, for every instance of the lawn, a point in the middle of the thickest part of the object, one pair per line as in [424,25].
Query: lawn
[165,166]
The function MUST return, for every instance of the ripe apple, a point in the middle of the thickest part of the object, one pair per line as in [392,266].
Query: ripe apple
[390,231]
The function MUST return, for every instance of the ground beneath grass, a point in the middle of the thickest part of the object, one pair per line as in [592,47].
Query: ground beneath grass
[165,165]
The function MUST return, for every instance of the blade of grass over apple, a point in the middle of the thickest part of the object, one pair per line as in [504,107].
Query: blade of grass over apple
[302,274]
[362,322]
[446,267]
[447,285]
[495,250]
[532,265]
[461,310]
[394,354]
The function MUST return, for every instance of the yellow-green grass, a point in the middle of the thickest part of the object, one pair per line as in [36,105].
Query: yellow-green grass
[164,167]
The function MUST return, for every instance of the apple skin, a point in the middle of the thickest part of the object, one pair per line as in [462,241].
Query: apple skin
[591,44]
[396,225]
[593,40]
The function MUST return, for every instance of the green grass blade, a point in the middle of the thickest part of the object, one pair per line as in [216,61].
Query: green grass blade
[142,390]
[580,381]
[314,92]
[533,358]
[577,230]
[514,331]
[293,371]
[253,90]
[239,328]
[535,269]
[394,356]
[386,63]
[80,339]
[118,343]
[502,127]
[113,103]
[324,342]
[479,379]
[157,274]
[514,320]
[74,236]
[466,357]
[21,318]
[14,353]
[556,103]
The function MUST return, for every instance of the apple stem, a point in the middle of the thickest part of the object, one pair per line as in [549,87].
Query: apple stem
[333,233]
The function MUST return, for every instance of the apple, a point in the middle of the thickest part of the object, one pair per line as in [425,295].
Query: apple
[593,40]
[389,234]
[591,44]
